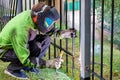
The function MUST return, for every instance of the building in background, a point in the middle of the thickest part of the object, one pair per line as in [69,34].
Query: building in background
[76,13]
[69,10]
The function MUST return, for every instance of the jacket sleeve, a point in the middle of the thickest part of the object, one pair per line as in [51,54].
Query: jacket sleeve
[19,43]
[55,31]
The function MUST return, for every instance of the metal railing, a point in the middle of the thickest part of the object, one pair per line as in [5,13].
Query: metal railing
[100,74]
[7,11]
[63,45]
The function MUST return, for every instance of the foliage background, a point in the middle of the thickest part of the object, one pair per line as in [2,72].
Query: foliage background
[108,18]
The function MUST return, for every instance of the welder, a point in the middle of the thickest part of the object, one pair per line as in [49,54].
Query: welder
[25,39]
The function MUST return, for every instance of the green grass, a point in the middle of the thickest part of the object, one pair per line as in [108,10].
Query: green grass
[45,74]
[106,67]
[49,74]
[106,62]
[63,69]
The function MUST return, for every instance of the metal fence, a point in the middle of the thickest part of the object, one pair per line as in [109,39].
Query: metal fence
[70,47]
[72,13]
[7,11]
[100,73]
[14,7]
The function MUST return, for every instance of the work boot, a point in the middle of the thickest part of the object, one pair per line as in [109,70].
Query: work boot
[33,70]
[16,74]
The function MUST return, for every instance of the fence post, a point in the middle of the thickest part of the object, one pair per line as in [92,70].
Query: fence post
[19,6]
[85,40]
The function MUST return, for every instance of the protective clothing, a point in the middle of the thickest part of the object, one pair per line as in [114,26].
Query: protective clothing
[46,19]
[15,35]
[69,33]
[37,48]
[55,63]
[17,74]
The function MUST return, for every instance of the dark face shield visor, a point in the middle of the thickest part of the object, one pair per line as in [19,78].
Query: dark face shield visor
[53,14]
[49,20]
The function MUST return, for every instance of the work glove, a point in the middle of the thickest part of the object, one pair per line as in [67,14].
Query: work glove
[69,33]
[55,63]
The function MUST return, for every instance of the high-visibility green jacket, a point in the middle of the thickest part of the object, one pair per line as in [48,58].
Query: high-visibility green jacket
[15,36]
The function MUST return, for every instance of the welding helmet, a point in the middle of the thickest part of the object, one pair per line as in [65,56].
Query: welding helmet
[46,19]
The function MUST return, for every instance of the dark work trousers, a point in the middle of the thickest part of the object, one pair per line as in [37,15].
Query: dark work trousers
[37,47]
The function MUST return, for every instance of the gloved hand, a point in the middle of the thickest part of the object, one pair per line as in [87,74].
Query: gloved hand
[55,63]
[69,33]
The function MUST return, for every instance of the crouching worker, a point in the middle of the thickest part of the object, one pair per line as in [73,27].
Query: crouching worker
[23,47]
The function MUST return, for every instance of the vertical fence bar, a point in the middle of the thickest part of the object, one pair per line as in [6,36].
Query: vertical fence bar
[102,25]
[12,12]
[9,8]
[33,2]
[60,20]
[73,40]
[25,4]
[93,40]
[19,6]
[85,40]
[29,4]
[16,7]
[54,35]
[66,8]
[112,35]
[5,9]
[11,1]
[49,53]
[13,8]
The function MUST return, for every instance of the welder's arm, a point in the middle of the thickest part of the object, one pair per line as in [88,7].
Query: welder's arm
[69,33]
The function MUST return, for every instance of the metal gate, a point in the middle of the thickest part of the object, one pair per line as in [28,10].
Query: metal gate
[102,66]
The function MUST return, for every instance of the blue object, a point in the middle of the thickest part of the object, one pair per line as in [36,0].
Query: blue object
[34,70]
[48,23]
[50,17]
[17,74]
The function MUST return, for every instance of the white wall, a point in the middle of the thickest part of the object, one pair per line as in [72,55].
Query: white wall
[76,19]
